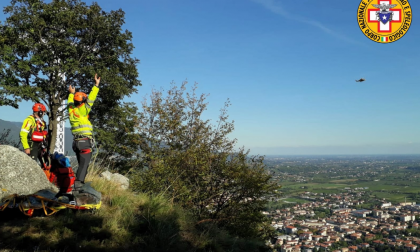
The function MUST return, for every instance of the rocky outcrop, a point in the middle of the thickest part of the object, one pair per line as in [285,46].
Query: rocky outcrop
[117,178]
[19,174]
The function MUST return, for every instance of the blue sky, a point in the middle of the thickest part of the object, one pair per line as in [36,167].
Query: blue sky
[288,68]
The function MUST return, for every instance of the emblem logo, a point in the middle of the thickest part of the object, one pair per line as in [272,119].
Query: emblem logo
[384,21]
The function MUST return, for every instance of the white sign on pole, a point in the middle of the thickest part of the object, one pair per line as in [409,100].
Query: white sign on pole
[60,140]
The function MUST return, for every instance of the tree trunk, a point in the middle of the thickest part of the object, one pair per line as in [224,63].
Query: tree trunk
[52,128]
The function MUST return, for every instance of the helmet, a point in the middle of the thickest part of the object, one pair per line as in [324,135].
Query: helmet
[39,107]
[80,97]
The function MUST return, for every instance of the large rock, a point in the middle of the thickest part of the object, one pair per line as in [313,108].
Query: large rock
[19,174]
[117,178]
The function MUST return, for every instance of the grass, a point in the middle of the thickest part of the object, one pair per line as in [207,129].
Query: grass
[293,188]
[295,200]
[395,198]
[127,221]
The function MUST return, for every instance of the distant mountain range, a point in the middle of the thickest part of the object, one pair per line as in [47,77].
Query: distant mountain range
[15,131]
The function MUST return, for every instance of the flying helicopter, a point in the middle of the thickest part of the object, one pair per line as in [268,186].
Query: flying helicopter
[361,80]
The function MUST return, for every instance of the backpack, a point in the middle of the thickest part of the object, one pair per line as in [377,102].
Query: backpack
[62,174]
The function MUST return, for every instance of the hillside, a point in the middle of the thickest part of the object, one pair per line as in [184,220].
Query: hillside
[15,130]
[126,221]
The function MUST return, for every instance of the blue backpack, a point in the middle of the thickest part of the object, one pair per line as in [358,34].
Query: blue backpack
[63,160]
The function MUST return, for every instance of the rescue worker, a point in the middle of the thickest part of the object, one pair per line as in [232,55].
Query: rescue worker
[32,134]
[79,106]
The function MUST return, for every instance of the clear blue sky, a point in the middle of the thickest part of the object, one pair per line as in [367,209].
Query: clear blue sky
[289,69]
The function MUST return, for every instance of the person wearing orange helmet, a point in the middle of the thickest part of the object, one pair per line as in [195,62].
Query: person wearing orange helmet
[32,133]
[79,107]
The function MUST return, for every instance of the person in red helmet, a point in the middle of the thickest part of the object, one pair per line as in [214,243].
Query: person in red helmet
[32,133]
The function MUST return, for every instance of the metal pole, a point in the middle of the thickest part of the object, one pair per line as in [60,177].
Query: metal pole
[60,139]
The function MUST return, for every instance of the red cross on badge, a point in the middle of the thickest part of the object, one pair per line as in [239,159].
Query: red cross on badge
[373,15]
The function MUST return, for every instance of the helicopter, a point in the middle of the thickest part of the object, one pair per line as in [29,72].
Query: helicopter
[361,80]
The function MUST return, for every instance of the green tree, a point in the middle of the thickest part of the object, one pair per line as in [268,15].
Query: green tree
[343,244]
[198,166]
[41,43]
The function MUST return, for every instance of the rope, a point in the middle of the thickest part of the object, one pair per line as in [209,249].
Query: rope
[59,203]
[45,210]
[22,209]
[84,207]
[8,199]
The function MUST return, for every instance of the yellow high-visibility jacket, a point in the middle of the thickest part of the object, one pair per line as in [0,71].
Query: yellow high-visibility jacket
[28,127]
[78,116]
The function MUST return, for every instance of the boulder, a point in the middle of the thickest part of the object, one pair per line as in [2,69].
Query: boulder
[19,174]
[123,181]
[117,178]
[106,175]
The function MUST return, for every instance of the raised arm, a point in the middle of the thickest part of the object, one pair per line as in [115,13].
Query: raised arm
[92,95]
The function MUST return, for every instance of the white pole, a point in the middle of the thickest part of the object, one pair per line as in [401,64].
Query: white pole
[60,139]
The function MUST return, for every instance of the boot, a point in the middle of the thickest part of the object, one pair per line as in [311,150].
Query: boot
[78,186]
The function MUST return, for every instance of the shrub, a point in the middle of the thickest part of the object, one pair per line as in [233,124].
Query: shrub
[197,166]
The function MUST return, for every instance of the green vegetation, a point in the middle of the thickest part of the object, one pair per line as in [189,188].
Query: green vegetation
[125,222]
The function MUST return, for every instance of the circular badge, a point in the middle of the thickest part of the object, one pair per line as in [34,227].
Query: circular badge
[384,21]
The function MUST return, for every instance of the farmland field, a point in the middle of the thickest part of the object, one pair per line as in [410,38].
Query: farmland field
[396,185]
[294,200]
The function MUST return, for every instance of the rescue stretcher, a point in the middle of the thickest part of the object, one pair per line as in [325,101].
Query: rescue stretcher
[45,200]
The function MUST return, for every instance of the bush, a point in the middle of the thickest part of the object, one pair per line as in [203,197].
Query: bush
[198,167]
